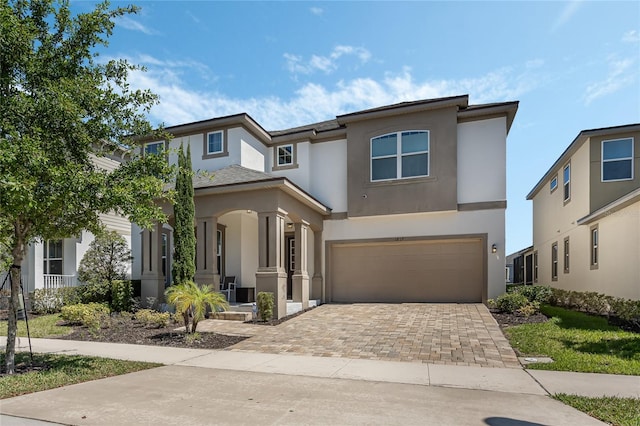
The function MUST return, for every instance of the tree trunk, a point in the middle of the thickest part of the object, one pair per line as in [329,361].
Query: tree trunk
[14,304]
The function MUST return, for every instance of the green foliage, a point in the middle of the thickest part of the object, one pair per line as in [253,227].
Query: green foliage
[151,318]
[193,338]
[265,305]
[95,292]
[106,260]
[597,304]
[49,301]
[535,293]
[612,410]
[39,327]
[91,315]
[577,342]
[191,301]
[184,257]
[529,309]
[121,296]
[61,109]
[511,302]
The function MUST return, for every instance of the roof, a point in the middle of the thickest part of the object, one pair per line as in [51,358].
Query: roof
[573,147]
[230,175]
[622,202]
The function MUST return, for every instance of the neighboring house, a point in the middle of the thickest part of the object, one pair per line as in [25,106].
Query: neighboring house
[403,203]
[54,263]
[586,215]
[520,267]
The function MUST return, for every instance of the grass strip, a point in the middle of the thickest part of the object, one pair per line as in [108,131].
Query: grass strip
[578,342]
[63,370]
[43,326]
[613,410]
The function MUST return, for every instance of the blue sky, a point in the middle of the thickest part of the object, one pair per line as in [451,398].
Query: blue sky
[572,65]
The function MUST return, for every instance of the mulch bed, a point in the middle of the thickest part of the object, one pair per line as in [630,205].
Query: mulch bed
[125,329]
[506,320]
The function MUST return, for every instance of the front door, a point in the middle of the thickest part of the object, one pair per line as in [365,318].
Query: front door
[291,262]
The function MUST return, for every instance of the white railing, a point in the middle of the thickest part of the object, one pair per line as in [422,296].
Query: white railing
[51,282]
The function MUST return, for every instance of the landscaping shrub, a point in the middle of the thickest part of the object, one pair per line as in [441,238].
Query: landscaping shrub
[265,305]
[91,315]
[535,293]
[511,302]
[95,292]
[121,296]
[598,304]
[46,301]
[151,318]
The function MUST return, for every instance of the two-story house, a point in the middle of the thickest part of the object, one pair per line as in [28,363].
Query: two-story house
[586,215]
[403,203]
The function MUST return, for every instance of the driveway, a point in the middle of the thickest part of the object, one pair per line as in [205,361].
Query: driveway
[451,334]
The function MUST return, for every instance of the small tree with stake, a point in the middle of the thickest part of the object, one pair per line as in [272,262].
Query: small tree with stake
[60,109]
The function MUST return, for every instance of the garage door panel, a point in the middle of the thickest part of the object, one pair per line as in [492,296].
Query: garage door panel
[408,271]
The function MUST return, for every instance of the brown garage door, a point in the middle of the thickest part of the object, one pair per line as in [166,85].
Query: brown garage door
[408,271]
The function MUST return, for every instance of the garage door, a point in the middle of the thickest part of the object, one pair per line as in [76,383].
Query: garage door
[408,271]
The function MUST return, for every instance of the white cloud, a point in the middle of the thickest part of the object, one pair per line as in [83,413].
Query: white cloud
[313,102]
[317,11]
[567,13]
[327,64]
[133,25]
[622,72]
[631,36]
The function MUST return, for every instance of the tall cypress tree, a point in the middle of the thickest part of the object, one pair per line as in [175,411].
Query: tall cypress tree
[184,257]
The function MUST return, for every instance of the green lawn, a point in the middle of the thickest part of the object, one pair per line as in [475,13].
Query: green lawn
[578,342]
[44,326]
[616,411]
[63,370]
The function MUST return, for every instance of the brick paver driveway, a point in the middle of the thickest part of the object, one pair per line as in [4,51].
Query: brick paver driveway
[457,334]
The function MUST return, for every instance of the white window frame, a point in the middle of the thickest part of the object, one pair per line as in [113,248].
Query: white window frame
[554,261]
[278,148]
[147,145]
[553,185]
[602,160]
[566,183]
[221,151]
[47,260]
[595,247]
[399,155]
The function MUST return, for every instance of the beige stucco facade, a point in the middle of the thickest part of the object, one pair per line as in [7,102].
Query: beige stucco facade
[566,227]
[282,224]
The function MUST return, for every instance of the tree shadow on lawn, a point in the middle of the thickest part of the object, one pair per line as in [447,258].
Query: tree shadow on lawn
[627,348]
[567,319]
[48,362]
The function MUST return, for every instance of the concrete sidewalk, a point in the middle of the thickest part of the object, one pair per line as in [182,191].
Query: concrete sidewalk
[509,380]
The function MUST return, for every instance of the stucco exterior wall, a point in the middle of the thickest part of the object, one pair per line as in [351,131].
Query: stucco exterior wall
[299,175]
[482,161]
[328,180]
[490,222]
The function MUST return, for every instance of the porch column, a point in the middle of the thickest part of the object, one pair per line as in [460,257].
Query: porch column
[271,275]
[152,279]
[317,290]
[300,276]
[207,251]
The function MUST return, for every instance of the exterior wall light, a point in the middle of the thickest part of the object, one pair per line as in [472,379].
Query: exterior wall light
[494,248]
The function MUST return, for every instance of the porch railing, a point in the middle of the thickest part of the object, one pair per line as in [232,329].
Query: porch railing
[51,282]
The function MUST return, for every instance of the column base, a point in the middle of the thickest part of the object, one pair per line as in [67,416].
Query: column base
[274,282]
[151,292]
[316,288]
[301,289]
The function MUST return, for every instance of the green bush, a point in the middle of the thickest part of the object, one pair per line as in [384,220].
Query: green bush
[151,318]
[529,309]
[121,296]
[46,301]
[597,304]
[95,292]
[91,315]
[265,305]
[511,302]
[535,293]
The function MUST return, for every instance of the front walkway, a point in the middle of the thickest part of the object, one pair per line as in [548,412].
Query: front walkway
[450,334]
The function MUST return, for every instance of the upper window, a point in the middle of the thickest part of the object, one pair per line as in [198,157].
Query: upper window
[215,143]
[285,155]
[400,155]
[154,148]
[566,181]
[553,184]
[617,160]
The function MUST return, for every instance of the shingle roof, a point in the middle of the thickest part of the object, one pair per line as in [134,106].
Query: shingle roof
[233,174]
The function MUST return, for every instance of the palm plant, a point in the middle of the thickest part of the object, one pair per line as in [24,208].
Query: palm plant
[191,301]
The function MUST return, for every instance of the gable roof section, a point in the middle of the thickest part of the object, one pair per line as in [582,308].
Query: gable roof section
[574,146]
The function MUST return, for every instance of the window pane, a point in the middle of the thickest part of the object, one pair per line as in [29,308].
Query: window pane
[554,183]
[567,192]
[55,249]
[567,174]
[414,142]
[384,145]
[612,170]
[415,165]
[617,149]
[384,168]
[215,142]
[285,155]
[55,267]
[153,148]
